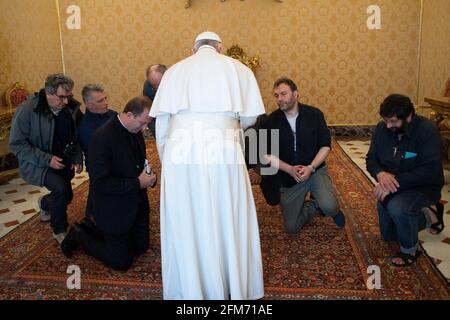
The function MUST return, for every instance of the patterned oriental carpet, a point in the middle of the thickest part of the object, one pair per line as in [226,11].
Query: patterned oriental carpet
[320,262]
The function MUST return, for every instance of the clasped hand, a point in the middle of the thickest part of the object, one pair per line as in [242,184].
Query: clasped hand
[300,173]
[147,179]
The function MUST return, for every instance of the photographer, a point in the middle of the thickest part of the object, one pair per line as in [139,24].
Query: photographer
[43,138]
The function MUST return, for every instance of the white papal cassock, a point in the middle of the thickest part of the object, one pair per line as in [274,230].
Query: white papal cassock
[210,247]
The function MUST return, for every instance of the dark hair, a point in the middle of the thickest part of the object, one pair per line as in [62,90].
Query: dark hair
[54,81]
[286,81]
[137,105]
[396,105]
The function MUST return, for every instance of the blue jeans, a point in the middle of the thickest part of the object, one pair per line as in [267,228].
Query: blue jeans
[401,219]
[296,211]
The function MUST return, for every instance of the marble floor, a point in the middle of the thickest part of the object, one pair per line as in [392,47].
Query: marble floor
[18,201]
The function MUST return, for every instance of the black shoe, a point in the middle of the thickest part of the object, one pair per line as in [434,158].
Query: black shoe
[71,242]
[89,227]
[439,212]
[339,220]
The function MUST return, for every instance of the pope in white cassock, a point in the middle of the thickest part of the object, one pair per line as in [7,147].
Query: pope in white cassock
[210,247]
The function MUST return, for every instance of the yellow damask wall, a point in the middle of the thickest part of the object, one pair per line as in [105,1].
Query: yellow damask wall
[29,43]
[324,45]
[435,47]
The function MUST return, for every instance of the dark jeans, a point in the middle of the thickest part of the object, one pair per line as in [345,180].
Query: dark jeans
[401,219]
[117,250]
[296,212]
[58,182]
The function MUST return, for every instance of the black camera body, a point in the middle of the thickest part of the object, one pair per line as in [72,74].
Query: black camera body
[70,149]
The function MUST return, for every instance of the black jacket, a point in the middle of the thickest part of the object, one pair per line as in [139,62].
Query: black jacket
[116,159]
[415,160]
[312,134]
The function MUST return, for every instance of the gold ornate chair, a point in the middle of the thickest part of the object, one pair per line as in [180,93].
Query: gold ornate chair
[15,95]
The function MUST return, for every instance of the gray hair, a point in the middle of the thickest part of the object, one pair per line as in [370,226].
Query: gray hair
[54,81]
[88,89]
[207,42]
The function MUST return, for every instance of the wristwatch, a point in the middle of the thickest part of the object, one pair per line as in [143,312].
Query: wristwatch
[312,167]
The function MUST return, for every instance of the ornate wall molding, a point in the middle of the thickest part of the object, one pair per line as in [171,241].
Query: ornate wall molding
[188,3]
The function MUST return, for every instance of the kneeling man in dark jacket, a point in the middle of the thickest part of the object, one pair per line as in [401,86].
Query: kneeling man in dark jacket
[119,182]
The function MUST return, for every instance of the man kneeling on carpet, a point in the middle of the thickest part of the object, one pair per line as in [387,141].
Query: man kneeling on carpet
[405,158]
[304,145]
[119,177]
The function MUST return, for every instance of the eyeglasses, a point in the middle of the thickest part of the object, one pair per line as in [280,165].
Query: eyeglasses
[68,97]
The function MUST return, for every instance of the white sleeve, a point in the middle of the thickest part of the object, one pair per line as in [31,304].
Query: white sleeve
[246,122]
[161,128]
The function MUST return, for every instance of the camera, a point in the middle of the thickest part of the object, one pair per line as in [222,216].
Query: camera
[70,149]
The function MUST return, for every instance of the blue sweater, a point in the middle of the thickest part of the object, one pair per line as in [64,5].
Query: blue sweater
[88,125]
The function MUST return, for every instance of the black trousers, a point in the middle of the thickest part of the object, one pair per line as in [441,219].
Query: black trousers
[89,205]
[117,250]
[61,194]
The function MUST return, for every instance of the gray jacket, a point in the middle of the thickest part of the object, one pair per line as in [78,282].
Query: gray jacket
[31,137]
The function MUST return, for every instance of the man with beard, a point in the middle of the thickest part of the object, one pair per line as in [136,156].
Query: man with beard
[404,157]
[304,144]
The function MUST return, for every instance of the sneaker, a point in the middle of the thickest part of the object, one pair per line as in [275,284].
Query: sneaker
[44,215]
[59,237]
[339,220]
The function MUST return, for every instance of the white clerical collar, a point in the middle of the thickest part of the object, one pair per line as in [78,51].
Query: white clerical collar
[118,117]
[207,46]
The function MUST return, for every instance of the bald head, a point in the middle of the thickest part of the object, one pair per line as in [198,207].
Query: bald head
[154,74]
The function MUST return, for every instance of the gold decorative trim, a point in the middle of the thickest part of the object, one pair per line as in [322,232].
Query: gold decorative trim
[6,114]
[5,124]
[238,53]
[8,92]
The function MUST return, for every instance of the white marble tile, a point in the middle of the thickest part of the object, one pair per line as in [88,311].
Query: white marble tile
[425,235]
[15,215]
[5,231]
[5,204]
[439,250]
[444,267]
